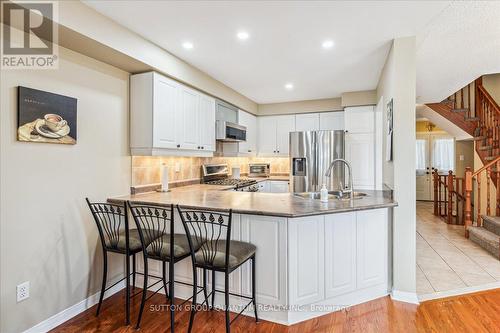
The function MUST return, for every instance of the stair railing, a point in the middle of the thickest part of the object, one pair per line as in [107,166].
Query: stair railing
[449,197]
[470,177]
[489,119]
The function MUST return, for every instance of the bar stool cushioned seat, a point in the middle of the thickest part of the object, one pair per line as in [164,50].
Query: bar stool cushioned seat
[134,241]
[181,247]
[239,252]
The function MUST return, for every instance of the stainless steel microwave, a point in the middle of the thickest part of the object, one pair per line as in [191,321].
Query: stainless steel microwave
[259,169]
[231,132]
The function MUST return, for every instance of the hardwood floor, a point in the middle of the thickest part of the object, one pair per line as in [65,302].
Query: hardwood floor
[468,313]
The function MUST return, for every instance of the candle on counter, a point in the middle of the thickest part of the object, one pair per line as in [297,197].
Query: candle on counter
[164,178]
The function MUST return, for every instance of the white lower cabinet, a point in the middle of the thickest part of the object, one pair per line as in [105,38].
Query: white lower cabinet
[371,249]
[340,254]
[306,237]
[279,186]
[269,235]
[337,255]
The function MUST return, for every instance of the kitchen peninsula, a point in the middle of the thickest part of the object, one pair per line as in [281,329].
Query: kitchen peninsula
[312,257]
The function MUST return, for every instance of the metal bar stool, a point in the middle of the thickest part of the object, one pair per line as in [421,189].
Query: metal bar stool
[212,230]
[157,224]
[115,236]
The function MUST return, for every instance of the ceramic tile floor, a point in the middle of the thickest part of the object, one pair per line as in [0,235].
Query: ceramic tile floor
[446,260]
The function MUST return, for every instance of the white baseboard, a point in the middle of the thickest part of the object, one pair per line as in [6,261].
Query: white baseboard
[404,296]
[73,310]
[457,292]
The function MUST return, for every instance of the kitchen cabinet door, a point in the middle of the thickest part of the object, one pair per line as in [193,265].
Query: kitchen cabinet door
[359,119]
[165,124]
[284,125]
[307,122]
[250,122]
[372,251]
[264,186]
[269,235]
[188,113]
[207,123]
[279,186]
[340,254]
[360,152]
[331,120]
[267,135]
[306,260]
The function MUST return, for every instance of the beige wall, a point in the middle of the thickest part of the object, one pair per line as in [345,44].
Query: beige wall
[492,84]
[317,105]
[356,98]
[398,81]
[147,170]
[465,149]
[47,234]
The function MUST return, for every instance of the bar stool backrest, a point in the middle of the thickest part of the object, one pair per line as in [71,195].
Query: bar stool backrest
[111,220]
[207,228]
[153,223]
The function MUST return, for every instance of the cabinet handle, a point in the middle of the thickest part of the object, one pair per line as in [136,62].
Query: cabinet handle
[198,147]
[202,147]
[274,151]
[249,150]
[178,146]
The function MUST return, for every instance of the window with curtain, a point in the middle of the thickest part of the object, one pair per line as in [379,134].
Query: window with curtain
[421,156]
[443,154]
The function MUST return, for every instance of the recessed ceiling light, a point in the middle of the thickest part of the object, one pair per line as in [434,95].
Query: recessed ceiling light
[327,44]
[289,86]
[242,35]
[187,45]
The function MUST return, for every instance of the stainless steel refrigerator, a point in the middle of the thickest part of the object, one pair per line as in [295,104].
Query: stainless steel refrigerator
[311,153]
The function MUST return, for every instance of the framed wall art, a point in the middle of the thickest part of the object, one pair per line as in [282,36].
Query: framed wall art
[46,117]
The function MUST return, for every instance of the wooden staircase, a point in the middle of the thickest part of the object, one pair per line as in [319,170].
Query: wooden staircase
[473,110]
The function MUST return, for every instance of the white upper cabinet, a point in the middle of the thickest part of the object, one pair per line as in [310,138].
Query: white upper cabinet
[331,120]
[284,125]
[359,119]
[165,122]
[360,145]
[307,122]
[189,135]
[207,117]
[274,134]
[169,118]
[250,122]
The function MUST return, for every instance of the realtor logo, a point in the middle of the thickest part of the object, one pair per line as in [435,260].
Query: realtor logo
[29,35]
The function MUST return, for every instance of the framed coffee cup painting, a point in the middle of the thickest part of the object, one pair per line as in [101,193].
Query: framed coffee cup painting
[46,117]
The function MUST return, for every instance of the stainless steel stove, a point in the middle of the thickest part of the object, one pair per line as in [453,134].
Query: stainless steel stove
[218,174]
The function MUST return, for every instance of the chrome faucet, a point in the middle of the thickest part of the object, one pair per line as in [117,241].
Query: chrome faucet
[342,186]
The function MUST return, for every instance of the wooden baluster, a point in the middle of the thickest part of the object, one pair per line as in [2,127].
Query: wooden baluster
[488,180]
[462,106]
[436,202]
[455,100]
[498,189]
[478,217]
[468,203]
[450,197]
[463,203]
[457,200]
[468,100]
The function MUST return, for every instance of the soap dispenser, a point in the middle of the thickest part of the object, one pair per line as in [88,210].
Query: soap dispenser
[323,193]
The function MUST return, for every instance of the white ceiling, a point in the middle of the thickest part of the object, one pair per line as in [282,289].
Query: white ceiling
[457,47]
[285,40]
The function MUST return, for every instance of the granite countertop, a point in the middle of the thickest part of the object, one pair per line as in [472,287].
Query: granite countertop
[221,198]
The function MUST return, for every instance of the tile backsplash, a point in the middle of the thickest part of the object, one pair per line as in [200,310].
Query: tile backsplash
[146,170]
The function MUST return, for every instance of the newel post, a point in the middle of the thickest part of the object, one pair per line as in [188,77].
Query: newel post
[468,203]
[436,181]
[450,197]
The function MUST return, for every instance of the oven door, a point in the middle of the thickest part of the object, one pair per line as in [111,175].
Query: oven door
[230,132]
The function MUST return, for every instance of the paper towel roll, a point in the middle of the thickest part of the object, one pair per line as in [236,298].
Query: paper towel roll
[236,172]
[164,178]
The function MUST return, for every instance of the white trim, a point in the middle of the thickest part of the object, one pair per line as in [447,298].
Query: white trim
[73,310]
[461,291]
[404,296]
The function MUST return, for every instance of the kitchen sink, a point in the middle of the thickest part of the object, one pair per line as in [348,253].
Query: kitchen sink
[334,195]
